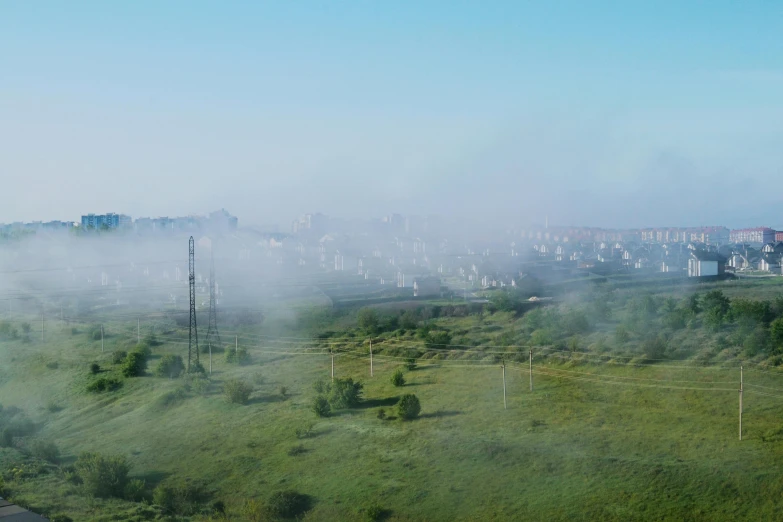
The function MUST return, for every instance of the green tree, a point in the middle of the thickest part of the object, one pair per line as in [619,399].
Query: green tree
[368,320]
[776,331]
[170,366]
[237,391]
[408,407]
[397,378]
[344,393]
[134,365]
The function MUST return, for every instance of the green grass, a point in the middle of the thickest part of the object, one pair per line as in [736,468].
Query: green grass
[570,450]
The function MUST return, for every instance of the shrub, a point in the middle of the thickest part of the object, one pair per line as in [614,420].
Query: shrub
[44,450]
[344,393]
[321,406]
[237,391]
[294,451]
[320,387]
[134,365]
[287,504]
[376,513]
[103,384]
[304,432]
[95,368]
[135,490]
[103,476]
[238,356]
[170,366]
[196,368]
[143,348]
[118,356]
[181,499]
[397,378]
[408,408]
[283,391]
[199,383]
[52,365]
[74,331]
[170,398]
[381,414]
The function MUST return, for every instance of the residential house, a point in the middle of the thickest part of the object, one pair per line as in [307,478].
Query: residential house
[704,264]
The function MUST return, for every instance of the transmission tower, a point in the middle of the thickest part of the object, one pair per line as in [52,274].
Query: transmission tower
[193,333]
[213,335]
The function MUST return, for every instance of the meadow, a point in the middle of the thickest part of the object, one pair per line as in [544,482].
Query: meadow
[609,432]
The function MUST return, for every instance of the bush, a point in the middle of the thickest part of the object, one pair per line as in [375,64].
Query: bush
[237,391]
[95,368]
[104,384]
[397,378]
[196,368]
[103,476]
[74,331]
[294,451]
[181,499]
[304,432]
[170,366]
[143,348]
[44,450]
[344,393]
[381,414]
[283,391]
[321,406]
[287,504]
[376,513]
[52,365]
[408,408]
[135,490]
[240,356]
[199,383]
[135,364]
[170,398]
[320,387]
[118,356]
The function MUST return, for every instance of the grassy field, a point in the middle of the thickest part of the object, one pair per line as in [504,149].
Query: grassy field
[593,441]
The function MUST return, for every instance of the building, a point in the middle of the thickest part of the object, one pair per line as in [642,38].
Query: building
[752,235]
[705,264]
[426,287]
[111,220]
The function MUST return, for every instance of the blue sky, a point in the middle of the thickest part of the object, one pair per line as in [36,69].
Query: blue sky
[597,113]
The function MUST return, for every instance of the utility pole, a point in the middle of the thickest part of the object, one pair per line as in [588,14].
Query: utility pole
[504,385]
[370,357]
[101,338]
[330,351]
[236,344]
[531,370]
[740,405]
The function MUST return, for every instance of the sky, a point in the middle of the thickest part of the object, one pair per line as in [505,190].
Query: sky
[613,114]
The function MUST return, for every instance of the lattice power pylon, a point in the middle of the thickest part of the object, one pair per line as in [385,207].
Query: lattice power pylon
[213,335]
[193,333]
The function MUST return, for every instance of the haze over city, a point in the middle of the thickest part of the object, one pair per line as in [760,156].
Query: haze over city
[599,113]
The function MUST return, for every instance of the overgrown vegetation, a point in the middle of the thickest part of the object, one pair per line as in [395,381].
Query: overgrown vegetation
[237,391]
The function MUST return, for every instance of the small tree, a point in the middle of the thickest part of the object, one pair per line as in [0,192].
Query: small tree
[409,407]
[95,368]
[321,406]
[135,364]
[237,391]
[397,378]
[170,366]
[344,393]
[118,356]
[368,320]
